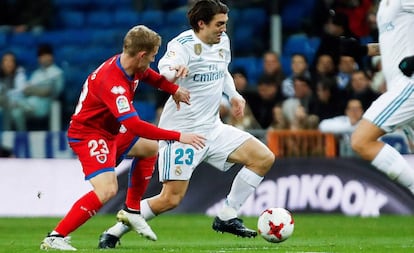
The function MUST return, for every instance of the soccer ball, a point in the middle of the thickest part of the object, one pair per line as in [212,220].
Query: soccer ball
[275,224]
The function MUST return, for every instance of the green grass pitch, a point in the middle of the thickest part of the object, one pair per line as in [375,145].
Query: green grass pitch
[193,233]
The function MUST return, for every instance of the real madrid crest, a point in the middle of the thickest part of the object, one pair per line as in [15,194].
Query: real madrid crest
[197,49]
[178,170]
[221,53]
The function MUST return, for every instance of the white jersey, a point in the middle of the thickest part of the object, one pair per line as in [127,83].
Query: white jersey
[395,107]
[395,20]
[207,80]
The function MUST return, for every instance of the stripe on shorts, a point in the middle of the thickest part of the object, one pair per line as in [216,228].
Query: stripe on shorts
[394,105]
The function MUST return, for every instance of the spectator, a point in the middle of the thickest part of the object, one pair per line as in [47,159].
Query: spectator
[45,85]
[297,108]
[361,88]
[12,82]
[248,121]
[324,68]
[279,120]
[329,100]
[263,101]
[273,67]
[299,66]
[346,123]
[346,66]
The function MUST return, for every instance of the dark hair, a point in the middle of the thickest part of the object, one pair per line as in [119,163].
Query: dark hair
[205,10]
[44,49]
[267,79]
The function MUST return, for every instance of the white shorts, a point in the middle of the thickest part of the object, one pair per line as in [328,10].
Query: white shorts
[392,109]
[177,161]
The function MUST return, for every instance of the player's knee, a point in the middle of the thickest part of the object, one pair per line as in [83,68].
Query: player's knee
[268,160]
[265,163]
[152,149]
[357,144]
[107,193]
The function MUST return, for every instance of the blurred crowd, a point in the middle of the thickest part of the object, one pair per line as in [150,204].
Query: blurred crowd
[328,93]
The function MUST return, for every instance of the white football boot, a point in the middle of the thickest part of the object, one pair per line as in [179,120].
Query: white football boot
[56,242]
[137,223]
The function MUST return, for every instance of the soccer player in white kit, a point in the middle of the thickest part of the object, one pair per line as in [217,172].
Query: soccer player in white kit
[205,50]
[395,108]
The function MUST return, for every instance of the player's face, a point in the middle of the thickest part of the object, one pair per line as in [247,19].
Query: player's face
[145,59]
[211,33]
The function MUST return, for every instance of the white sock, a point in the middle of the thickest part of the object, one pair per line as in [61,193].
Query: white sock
[118,230]
[146,210]
[244,184]
[393,164]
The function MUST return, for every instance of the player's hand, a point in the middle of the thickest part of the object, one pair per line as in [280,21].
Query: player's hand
[407,65]
[181,95]
[181,71]
[351,46]
[194,140]
[237,106]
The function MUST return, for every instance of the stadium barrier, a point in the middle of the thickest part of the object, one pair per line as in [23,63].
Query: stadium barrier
[348,186]
[301,143]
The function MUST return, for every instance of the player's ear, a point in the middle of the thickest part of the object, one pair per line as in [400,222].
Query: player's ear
[141,54]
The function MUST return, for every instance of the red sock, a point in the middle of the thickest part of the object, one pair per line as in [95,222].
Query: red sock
[83,209]
[139,178]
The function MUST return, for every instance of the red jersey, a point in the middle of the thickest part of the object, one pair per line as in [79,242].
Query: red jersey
[106,102]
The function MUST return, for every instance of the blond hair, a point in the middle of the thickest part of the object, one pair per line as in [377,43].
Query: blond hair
[140,38]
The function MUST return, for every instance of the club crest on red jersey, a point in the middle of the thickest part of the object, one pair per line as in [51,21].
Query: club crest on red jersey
[101,158]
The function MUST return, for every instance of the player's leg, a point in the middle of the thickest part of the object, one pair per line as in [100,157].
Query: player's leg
[257,160]
[100,172]
[144,152]
[391,109]
[169,198]
[176,163]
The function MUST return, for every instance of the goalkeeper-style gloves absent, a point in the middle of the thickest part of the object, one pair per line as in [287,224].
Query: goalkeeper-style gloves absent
[407,65]
[352,47]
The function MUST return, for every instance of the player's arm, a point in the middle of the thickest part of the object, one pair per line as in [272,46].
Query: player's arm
[236,100]
[144,129]
[180,94]
[173,65]
[351,46]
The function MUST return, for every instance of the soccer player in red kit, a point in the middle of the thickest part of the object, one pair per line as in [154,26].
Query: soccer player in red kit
[105,124]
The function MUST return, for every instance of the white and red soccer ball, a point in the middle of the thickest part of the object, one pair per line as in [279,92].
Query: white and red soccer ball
[275,224]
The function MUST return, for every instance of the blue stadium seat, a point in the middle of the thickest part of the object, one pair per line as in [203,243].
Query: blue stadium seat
[295,12]
[300,43]
[3,39]
[154,19]
[252,65]
[285,61]
[77,37]
[177,18]
[99,19]
[71,4]
[25,39]
[53,38]
[126,18]
[107,37]
[242,39]
[257,17]
[72,19]
[146,110]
